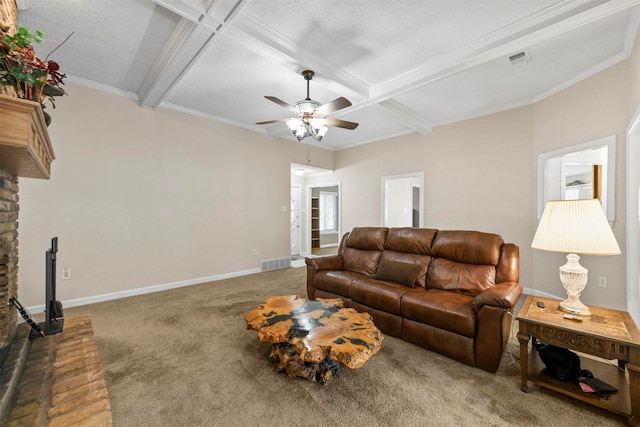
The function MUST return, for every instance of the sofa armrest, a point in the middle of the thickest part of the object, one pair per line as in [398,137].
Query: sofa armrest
[332,262]
[504,295]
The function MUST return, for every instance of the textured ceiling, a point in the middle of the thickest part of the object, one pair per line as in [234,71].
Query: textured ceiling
[406,66]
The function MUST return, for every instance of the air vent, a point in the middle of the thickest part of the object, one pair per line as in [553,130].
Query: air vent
[520,58]
[275,264]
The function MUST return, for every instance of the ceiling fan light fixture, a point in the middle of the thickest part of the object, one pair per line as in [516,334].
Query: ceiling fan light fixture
[316,127]
[312,120]
[317,123]
[298,128]
[317,134]
[294,124]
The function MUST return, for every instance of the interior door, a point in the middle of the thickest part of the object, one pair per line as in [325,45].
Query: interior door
[402,200]
[295,221]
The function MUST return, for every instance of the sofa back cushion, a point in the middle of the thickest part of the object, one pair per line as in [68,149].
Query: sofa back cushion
[362,249]
[464,261]
[411,246]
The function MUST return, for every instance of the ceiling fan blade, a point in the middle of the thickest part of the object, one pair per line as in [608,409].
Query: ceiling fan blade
[335,105]
[268,122]
[341,124]
[281,103]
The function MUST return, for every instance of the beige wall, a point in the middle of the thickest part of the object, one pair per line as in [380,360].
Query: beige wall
[481,174]
[478,176]
[592,109]
[142,198]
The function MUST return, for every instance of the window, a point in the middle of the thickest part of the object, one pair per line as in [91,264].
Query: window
[328,211]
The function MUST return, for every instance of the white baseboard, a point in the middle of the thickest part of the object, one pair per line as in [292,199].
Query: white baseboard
[146,290]
[529,291]
[164,287]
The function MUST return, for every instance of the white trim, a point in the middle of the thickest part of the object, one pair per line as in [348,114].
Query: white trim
[307,227]
[384,179]
[632,217]
[146,290]
[530,291]
[610,142]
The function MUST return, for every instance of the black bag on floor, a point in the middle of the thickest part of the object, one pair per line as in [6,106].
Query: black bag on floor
[561,363]
[589,384]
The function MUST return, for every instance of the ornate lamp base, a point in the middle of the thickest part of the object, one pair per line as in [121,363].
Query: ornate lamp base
[574,279]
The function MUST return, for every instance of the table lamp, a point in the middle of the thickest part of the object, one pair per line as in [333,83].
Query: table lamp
[575,226]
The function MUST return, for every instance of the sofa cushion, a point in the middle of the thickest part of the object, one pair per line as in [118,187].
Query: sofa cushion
[464,261]
[446,310]
[410,245]
[335,281]
[367,238]
[454,276]
[410,240]
[405,273]
[378,294]
[469,247]
[363,248]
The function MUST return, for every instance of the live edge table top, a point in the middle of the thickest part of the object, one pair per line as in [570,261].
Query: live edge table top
[615,325]
[317,329]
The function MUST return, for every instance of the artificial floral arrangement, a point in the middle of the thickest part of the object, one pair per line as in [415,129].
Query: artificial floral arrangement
[30,77]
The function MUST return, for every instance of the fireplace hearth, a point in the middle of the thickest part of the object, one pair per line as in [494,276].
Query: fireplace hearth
[55,380]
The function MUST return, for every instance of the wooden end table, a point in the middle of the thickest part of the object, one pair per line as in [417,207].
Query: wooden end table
[313,339]
[606,334]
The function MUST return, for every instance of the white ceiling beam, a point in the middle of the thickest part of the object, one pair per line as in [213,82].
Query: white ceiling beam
[186,44]
[406,116]
[272,45]
[502,43]
[183,8]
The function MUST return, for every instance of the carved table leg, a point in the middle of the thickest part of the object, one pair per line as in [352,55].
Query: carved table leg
[523,337]
[634,389]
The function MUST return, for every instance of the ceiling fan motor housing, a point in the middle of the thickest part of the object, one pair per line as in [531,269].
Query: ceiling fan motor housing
[306,106]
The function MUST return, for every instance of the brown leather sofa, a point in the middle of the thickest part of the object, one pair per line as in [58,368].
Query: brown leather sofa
[452,292]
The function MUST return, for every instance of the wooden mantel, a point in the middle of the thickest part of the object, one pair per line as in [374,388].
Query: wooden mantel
[25,147]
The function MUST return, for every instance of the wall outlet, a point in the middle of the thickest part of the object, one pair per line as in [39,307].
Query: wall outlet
[602,282]
[254,252]
[66,273]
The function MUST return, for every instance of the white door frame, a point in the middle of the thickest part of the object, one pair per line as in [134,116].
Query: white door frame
[296,193]
[633,217]
[307,243]
[420,177]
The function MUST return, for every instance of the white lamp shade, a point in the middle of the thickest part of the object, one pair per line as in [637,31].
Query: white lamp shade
[575,226]
[317,124]
[294,124]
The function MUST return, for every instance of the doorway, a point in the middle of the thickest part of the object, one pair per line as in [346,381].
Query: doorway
[324,218]
[296,236]
[403,200]
[305,181]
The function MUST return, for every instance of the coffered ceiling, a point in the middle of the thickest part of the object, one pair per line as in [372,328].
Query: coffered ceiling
[406,66]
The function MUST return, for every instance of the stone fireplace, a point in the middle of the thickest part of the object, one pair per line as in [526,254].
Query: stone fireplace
[8,255]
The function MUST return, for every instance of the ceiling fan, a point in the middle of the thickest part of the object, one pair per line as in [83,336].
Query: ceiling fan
[312,120]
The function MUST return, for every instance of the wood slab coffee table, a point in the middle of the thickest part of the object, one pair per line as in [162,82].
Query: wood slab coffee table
[313,339]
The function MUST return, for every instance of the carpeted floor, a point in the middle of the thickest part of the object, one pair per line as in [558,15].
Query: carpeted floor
[184,358]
